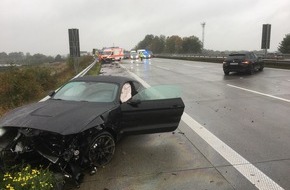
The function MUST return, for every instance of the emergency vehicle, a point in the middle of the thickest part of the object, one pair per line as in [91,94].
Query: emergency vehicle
[111,54]
[143,54]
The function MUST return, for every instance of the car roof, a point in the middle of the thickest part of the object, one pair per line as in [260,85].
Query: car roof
[240,53]
[104,78]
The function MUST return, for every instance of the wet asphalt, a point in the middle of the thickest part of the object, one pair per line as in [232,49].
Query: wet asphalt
[243,111]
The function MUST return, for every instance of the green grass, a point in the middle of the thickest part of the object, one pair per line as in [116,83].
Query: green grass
[95,70]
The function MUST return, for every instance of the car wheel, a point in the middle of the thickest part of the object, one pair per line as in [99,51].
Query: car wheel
[102,149]
[251,70]
[261,67]
[227,72]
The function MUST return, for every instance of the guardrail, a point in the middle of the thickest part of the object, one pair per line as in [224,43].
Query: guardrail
[273,63]
[224,55]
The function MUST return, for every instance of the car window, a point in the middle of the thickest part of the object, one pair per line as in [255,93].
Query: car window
[253,56]
[250,55]
[137,87]
[236,56]
[158,92]
[88,91]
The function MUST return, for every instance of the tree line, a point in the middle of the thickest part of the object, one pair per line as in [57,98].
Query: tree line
[172,44]
[27,59]
[175,44]
[284,46]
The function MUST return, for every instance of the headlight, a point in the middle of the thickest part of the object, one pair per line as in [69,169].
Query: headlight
[2,132]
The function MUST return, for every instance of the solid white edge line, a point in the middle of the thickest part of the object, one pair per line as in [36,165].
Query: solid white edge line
[248,170]
[260,93]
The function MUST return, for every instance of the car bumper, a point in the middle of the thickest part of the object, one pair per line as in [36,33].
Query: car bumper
[237,68]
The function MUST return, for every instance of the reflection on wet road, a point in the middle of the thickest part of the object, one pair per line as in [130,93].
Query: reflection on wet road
[254,126]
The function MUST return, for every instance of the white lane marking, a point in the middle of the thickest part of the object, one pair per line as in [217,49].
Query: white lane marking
[165,68]
[195,66]
[248,170]
[260,93]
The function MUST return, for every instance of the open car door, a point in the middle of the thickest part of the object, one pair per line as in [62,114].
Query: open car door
[153,110]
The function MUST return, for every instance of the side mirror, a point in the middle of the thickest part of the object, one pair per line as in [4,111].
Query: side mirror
[134,102]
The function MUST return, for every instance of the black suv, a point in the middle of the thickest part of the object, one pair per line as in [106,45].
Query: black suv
[242,62]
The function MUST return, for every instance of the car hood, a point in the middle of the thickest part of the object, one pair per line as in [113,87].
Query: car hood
[63,117]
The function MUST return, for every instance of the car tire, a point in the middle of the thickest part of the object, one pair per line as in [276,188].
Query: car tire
[261,67]
[251,70]
[227,73]
[102,149]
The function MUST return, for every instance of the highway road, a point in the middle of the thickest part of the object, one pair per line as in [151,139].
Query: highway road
[234,134]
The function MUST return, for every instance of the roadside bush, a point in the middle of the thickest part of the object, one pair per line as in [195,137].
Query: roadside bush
[45,78]
[18,86]
[22,85]
[78,64]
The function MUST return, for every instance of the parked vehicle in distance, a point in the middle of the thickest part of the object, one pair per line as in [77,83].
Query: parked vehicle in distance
[242,62]
[143,54]
[77,128]
[111,54]
[126,55]
[134,55]
[150,54]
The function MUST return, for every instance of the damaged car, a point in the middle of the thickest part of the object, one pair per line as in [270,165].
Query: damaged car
[77,128]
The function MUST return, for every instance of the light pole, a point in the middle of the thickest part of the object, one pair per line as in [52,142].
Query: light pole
[203,26]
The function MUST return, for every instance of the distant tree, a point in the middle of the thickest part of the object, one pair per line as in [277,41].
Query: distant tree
[3,55]
[58,58]
[16,57]
[157,44]
[173,44]
[162,39]
[145,44]
[40,58]
[154,43]
[285,44]
[191,45]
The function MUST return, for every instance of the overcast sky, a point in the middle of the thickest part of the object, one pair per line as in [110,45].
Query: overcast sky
[41,26]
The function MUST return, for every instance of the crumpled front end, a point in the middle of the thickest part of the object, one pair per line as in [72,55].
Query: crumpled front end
[64,153]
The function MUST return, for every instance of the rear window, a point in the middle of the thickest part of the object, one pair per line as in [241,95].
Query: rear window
[236,56]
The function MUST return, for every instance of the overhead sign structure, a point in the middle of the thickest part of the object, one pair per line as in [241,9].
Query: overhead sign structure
[266,33]
[74,43]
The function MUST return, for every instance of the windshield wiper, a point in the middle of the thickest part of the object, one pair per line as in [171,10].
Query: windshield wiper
[57,99]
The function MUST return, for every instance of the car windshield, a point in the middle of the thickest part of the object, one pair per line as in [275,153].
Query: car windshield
[88,91]
[158,93]
[107,53]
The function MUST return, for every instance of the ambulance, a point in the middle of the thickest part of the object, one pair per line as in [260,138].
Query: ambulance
[111,54]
